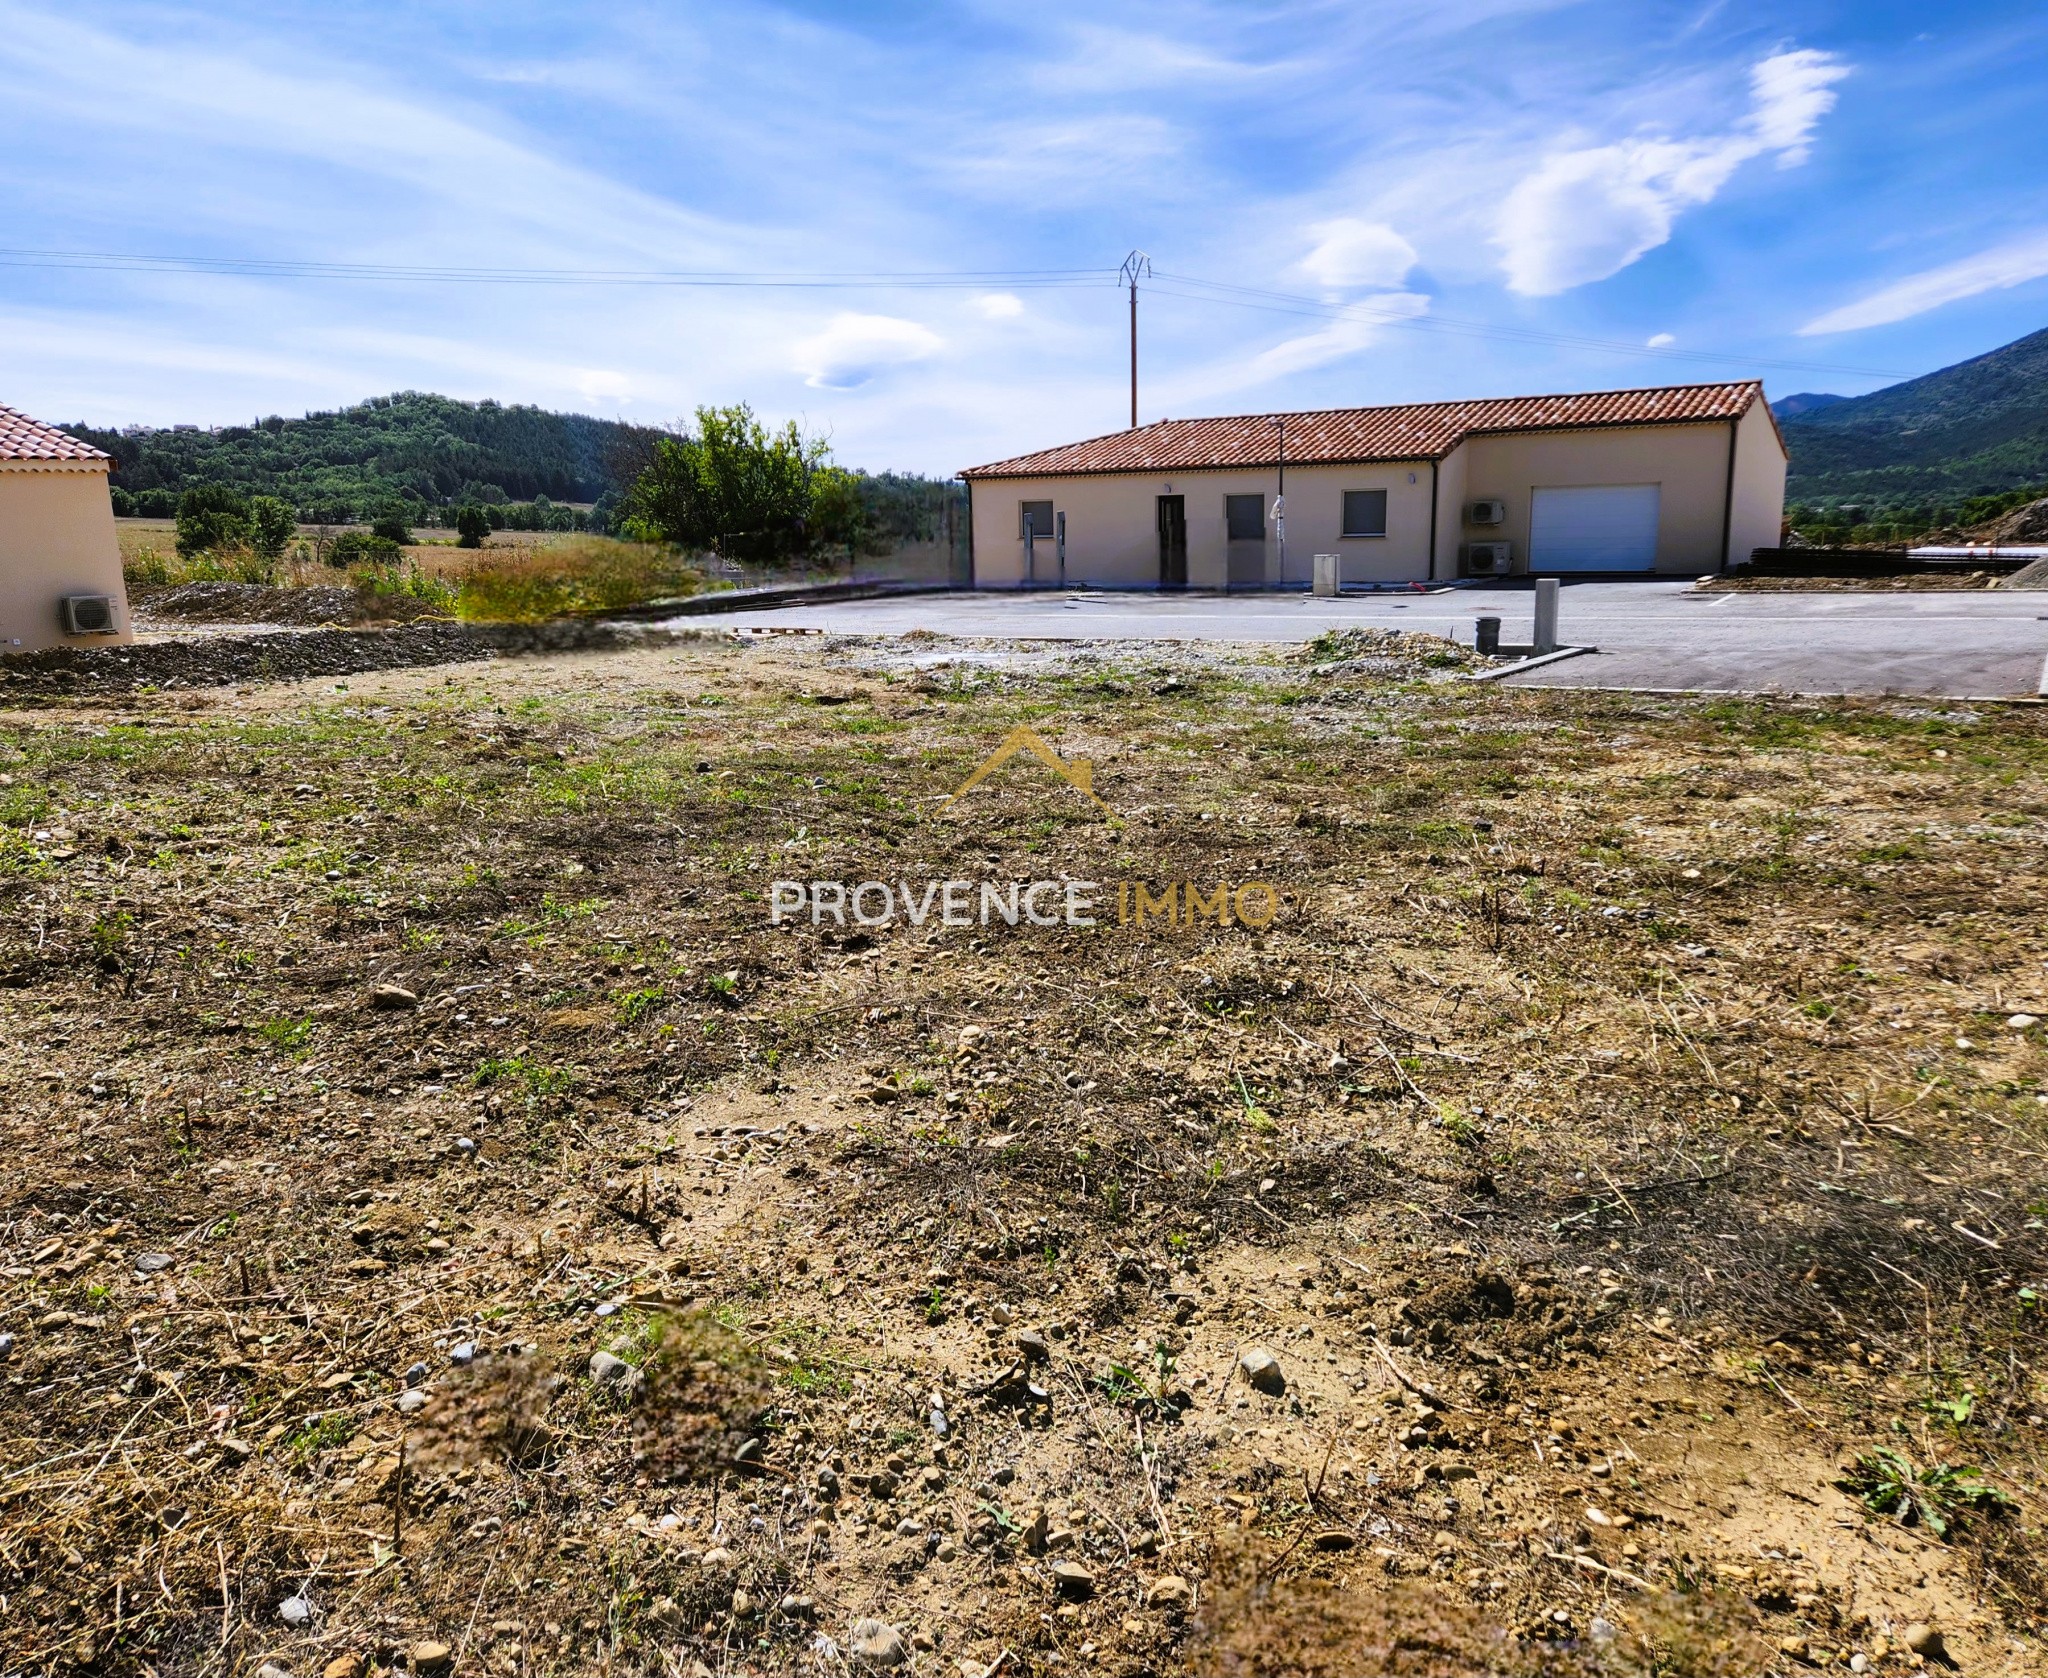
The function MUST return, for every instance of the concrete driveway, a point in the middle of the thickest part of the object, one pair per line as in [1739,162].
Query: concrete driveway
[1652,636]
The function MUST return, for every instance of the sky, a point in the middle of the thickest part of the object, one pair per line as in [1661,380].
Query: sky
[1342,203]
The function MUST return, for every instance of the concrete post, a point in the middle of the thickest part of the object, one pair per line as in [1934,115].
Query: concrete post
[1545,638]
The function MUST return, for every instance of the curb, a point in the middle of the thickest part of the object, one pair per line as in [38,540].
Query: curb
[1522,664]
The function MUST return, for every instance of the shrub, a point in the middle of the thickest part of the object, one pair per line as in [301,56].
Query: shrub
[472,525]
[352,548]
[393,529]
[211,516]
[272,524]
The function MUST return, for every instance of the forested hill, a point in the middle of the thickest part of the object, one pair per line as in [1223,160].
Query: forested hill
[1975,429]
[408,451]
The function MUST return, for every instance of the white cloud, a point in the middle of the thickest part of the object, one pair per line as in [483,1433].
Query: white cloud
[999,305]
[1997,269]
[1356,330]
[1349,253]
[1659,341]
[854,349]
[1587,213]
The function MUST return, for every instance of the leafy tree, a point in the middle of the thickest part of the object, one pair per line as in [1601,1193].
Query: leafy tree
[124,503]
[210,517]
[472,525]
[393,529]
[734,487]
[272,524]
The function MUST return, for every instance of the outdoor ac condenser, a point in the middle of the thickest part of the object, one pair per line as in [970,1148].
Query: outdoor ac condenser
[88,614]
[1489,512]
[1487,559]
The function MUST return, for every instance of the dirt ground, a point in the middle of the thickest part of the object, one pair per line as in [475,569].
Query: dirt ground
[453,1228]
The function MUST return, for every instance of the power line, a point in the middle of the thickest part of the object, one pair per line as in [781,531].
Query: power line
[1190,287]
[411,273]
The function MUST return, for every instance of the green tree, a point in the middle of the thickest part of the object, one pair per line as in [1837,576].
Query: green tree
[352,547]
[839,515]
[272,524]
[472,525]
[211,517]
[393,528]
[735,487]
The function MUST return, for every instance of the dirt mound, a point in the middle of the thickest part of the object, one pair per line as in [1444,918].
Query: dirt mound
[2024,524]
[289,655]
[261,603]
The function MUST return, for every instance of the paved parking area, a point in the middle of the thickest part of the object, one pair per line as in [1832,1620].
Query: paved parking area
[1657,636]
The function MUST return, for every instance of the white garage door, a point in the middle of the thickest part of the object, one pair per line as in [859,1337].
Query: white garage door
[1611,527]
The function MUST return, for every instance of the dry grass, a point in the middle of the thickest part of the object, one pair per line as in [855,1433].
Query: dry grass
[1621,1120]
[568,577]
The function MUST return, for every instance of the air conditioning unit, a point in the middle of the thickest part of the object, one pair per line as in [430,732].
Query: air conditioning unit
[1488,512]
[88,614]
[1487,559]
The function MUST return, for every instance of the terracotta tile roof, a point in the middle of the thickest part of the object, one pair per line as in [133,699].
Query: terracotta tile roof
[22,438]
[1415,431]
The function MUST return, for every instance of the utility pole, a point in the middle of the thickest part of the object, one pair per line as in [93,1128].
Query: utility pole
[1136,266]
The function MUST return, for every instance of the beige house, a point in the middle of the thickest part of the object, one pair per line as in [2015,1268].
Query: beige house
[60,565]
[1674,481]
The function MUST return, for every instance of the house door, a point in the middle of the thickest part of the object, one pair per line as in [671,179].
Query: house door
[1173,541]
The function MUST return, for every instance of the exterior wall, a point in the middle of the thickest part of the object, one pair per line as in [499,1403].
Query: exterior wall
[56,538]
[1113,533]
[1689,463]
[1452,476]
[1757,513]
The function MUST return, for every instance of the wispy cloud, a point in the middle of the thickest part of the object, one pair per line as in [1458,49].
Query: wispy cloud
[1588,212]
[1997,269]
[853,349]
[1350,253]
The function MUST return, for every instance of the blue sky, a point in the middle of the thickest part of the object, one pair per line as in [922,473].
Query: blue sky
[1469,197]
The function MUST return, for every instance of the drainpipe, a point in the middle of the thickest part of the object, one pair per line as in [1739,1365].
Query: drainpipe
[1728,499]
[1432,521]
[1060,534]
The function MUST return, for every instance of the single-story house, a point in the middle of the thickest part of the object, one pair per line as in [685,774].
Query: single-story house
[60,564]
[1673,481]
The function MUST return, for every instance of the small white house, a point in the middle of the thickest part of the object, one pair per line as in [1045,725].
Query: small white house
[1672,481]
[60,564]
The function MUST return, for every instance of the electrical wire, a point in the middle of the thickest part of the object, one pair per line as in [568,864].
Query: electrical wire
[1189,287]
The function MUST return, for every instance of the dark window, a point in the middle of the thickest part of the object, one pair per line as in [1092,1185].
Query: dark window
[1365,512]
[1246,515]
[1035,519]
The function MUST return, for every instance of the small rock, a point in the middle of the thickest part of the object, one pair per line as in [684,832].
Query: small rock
[270,1669]
[430,1656]
[1072,1578]
[463,1145]
[1033,1345]
[1262,1369]
[6,1347]
[938,1422]
[148,1264]
[411,1401]
[1923,1639]
[463,1351]
[876,1643]
[415,1374]
[343,1666]
[1036,1530]
[800,1607]
[1859,1662]
[295,1611]
[392,997]
[604,1368]
[718,1558]
[234,1452]
[749,1452]
[1169,1593]
[2023,1022]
